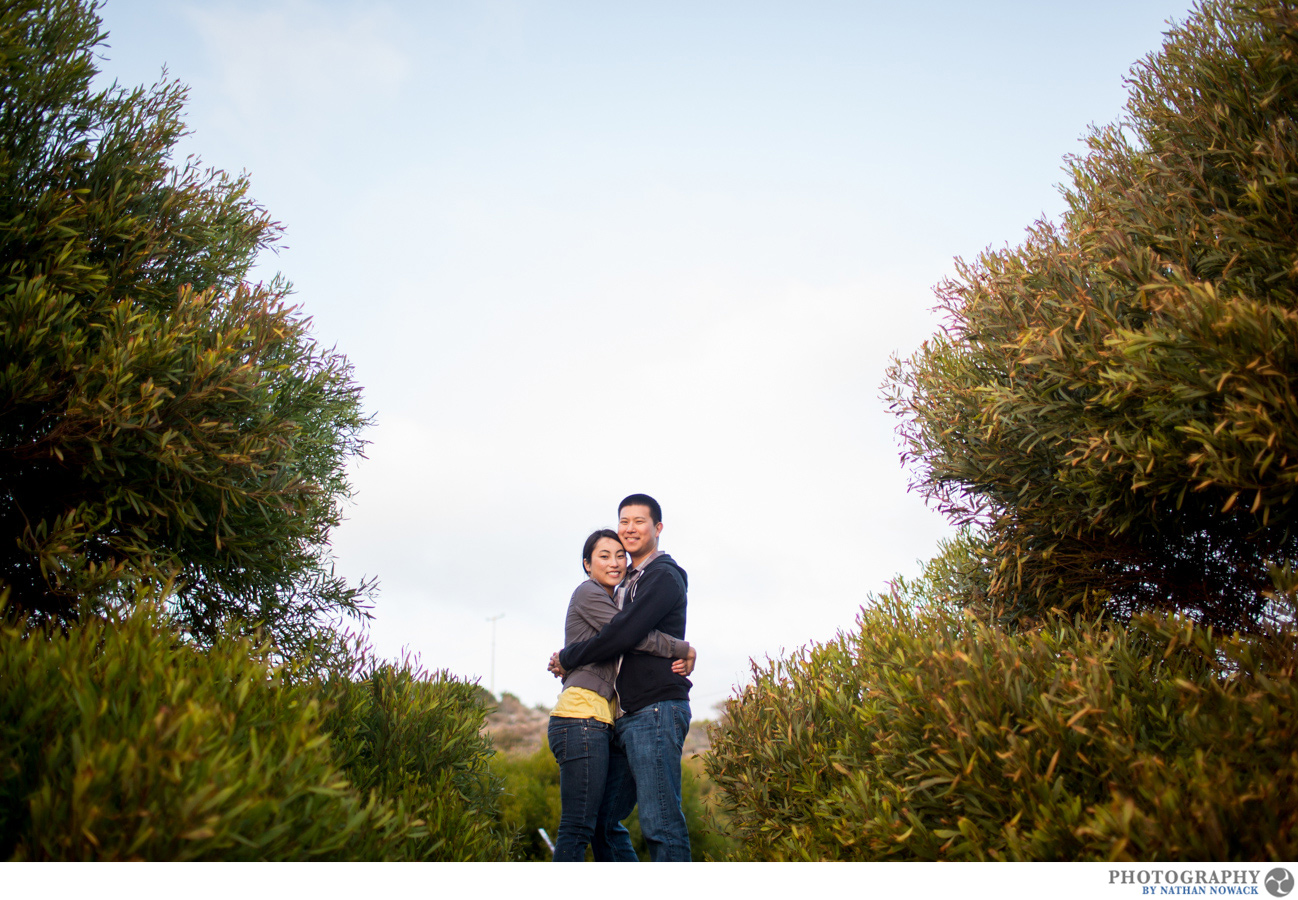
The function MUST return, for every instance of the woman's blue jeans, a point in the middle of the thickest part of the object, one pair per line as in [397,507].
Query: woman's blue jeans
[581,747]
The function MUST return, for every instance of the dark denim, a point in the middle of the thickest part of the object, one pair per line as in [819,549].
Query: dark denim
[581,747]
[611,837]
[645,770]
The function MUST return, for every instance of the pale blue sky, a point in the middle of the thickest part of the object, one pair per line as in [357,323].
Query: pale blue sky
[577,250]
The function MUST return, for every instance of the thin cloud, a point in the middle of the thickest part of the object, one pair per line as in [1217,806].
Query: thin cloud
[292,65]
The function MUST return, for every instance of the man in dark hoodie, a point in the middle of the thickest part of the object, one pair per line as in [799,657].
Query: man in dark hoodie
[645,760]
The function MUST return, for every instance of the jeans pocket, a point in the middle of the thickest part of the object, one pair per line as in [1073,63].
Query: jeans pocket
[680,723]
[558,735]
[577,742]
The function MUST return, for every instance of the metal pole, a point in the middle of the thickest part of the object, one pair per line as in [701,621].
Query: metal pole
[492,620]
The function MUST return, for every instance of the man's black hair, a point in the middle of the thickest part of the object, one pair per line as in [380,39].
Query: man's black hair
[655,511]
[591,541]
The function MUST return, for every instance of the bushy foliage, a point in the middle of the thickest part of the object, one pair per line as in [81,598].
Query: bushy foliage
[406,735]
[531,801]
[159,418]
[708,827]
[927,733]
[1109,412]
[1112,401]
[123,741]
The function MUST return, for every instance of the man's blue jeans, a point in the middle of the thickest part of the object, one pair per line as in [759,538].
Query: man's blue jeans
[644,768]
[581,747]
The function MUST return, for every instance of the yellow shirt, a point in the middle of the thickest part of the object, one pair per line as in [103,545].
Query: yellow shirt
[580,703]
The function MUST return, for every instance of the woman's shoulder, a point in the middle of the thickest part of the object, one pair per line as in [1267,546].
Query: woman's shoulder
[589,591]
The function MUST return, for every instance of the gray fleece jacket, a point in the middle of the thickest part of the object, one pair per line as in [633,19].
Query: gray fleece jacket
[589,610]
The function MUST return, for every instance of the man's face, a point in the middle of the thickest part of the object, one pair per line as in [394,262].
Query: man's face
[636,528]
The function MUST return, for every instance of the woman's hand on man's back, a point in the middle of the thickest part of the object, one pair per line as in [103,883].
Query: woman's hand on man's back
[684,666]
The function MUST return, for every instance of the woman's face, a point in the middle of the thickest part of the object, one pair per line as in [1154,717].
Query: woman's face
[607,563]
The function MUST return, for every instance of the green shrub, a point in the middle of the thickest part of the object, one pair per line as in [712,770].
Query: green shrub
[415,738]
[531,801]
[123,742]
[1112,401]
[926,734]
[699,797]
[160,419]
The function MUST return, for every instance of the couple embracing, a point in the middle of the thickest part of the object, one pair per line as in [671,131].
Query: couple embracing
[620,723]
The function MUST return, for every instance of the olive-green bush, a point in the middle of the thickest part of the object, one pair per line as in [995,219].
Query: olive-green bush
[161,419]
[928,734]
[531,801]
[1112,401]
[122,741]
[413,737]
[709,840]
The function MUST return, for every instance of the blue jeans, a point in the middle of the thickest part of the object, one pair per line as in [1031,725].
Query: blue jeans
[645,769]
[581,747]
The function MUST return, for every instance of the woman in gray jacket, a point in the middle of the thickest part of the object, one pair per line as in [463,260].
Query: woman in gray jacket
[581,723]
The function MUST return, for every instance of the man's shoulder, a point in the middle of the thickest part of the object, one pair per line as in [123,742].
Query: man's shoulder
[666,567]
[663,559]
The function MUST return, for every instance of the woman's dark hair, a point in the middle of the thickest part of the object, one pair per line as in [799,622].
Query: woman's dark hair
[594,539]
